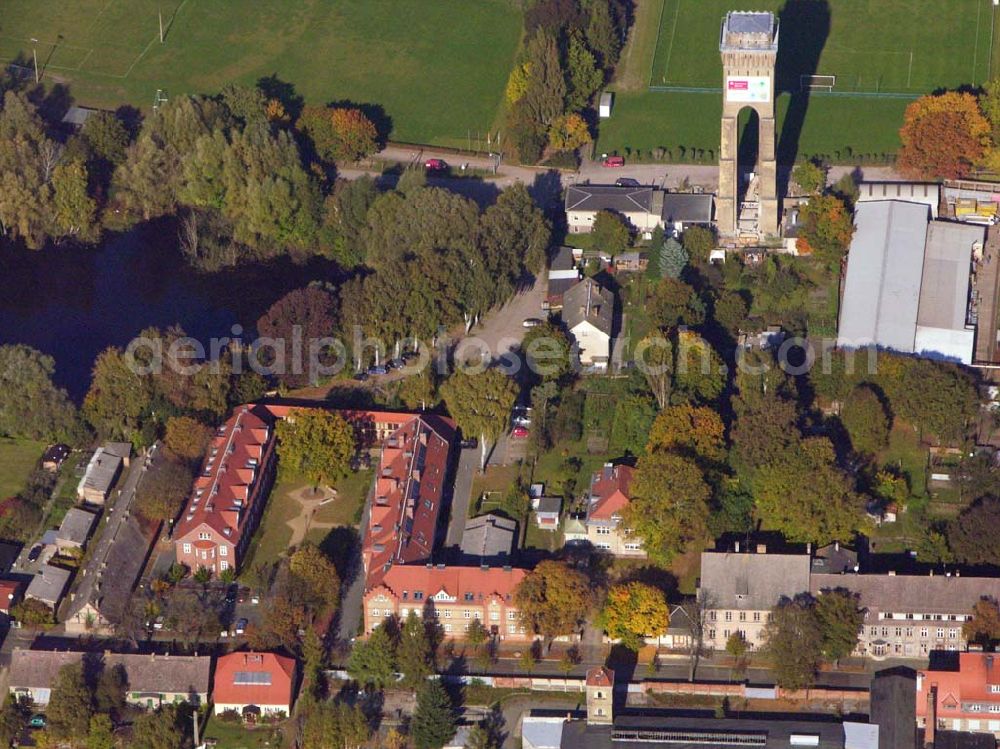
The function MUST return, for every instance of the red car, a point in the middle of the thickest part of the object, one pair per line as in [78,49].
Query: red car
[519,433]
[435,165]
[614,161]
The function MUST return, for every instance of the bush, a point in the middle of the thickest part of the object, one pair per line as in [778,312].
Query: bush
[563,160]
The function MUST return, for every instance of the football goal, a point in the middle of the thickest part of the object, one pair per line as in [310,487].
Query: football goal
[817,82]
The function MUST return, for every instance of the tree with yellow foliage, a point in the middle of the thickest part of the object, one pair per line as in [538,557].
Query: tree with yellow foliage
[943,136]
[694,431]
[633,612]
[569,132]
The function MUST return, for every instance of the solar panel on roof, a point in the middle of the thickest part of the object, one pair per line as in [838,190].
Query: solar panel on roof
[253,678]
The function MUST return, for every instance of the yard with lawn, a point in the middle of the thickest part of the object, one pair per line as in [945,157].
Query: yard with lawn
[431,73]
[236,735]
[17,459]
[295,514]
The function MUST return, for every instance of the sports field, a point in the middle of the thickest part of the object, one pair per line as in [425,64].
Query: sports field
[905,46]
[436,67]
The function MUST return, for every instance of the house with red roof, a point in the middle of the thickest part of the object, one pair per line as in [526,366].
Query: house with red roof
[409,493]
[964,700]
[254,684]
[454,595]
[10,594]
[609,496]
[229,493]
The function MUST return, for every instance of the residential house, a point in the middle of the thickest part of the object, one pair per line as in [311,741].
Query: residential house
[229,493]
[631,262]
[153,680]
[547,511]
[588,314]
[834,559]
[575,529]
[254,684]
[102,472]
[49,585]
[455,595]
[907,284]
[966,699]
[489,539]
[10,594]
[609,496]
[408,497]
[75,529]
[54,456]
[564,273]
[645,208]
[738,589]
[908,616]
[640,206]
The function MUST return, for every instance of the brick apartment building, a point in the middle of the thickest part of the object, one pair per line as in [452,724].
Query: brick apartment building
[409,493]
[455,595]
[229,493]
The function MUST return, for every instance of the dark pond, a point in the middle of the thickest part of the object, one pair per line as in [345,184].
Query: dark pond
[72,302]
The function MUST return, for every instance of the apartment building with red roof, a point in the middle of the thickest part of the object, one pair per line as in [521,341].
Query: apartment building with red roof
[254,684]
[370,427]
[964,700]
[455,595]
[409,493]
[229,493]
[609,496]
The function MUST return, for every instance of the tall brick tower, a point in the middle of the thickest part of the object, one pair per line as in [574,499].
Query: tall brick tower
[749,47]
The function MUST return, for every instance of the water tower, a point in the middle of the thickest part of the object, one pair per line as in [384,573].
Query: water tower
[749,47]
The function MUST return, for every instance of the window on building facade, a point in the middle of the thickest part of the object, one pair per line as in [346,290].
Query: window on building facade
[187,548]
[447,614]
[512,628]
[602,531]
[924,632]
[756,616]
[223,551]
[203,536]
[467,614]
[952,634]
[743,616]
[711,616]
[447,628]
[223,565]
[729,616]
[711,634]
[494,616]
[511,616]
[940,632]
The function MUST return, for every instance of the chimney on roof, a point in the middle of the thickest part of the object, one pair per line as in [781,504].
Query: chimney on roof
[836,545]
[809,547]
[930,718]
[892,573]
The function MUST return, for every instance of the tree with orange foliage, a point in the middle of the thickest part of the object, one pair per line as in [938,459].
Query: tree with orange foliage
[827,227]
[569,132]
[355,133]
[943,136]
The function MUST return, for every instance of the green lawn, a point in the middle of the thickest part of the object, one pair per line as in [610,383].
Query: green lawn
[17,459]
[686,127]
[346,509]
[238,736]
[908,456]
[911,46]
[436,72]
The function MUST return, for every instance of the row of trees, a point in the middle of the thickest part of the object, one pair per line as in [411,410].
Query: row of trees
[572,47]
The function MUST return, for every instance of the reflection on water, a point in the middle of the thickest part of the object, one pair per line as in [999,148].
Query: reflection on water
[72,302]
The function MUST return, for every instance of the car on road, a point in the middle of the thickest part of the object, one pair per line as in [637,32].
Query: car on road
[360,376]
[37,721]
[470,444]
[397,363]
[378,370]
[34,554]
[532,322]
[627,182]
[158,623]
[241,626]
[614,162]
[409,356]
[519,433]
[435,165]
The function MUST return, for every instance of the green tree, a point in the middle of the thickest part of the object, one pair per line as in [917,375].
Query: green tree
[109,692]
[672,302]
[309,314]
[602,35]
[696,432]
[162,493]
[669,504]
[118,402]
[74,210]
[699,241]
[70,705]
[610,233]
[31,406]
[810,176]
[246,103]
[553,599]
[513,236]
[547,352]
[106,137]
[737,645]
[164,728]
[316,444]
[416,660]
[793,643]
[433,721]
[373,661]
[101,734]
[345,214]
[699,374]
[840,621]
[583,75]
[13,721]
[335,725]
[544,98]
[827,227]
[730,310]
[480,403]
[673,258]
[634,611]
[317,574]
[187,438]
[866,420]
[972,536]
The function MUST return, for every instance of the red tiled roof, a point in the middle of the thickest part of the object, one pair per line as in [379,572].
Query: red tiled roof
[457,583]
[233,668]
[600,677]
[224,487]
[609,492]
[409,489]
[971,683]
[9,591]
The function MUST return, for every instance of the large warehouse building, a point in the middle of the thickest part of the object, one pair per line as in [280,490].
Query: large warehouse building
[907,282]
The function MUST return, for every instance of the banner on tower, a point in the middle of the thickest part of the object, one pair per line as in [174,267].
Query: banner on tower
[748,88]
